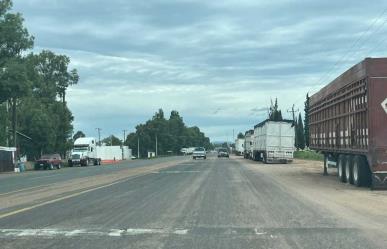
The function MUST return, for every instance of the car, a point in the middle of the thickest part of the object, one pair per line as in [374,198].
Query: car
[199,152]
[49,161]
[223,153]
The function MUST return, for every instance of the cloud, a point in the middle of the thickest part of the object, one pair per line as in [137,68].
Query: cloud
[217,62]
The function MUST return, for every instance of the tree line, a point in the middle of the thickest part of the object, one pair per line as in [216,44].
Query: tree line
[34,115]
[171,134]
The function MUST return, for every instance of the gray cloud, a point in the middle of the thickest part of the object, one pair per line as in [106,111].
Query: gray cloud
[218,62]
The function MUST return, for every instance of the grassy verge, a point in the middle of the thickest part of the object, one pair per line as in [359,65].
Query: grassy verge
[308,155]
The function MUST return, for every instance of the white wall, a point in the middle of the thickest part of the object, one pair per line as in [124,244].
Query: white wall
[114,152]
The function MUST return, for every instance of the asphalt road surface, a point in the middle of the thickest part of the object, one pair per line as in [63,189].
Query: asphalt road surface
[213,203]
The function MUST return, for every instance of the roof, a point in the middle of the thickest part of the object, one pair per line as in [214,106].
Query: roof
[84,140]
[249,132]
[268,120]
[7,148]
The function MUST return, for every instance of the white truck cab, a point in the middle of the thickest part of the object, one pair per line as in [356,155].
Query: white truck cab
[84,152]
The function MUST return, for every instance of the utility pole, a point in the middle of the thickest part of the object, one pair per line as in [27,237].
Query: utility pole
[99,135]
[123,141]
[233,135]
[293,111]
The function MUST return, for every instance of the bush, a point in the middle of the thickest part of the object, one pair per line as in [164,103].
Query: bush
[309,155]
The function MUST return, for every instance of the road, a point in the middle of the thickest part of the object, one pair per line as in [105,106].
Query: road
[213,203]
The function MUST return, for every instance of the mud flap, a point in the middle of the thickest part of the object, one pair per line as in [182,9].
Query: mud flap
[379,181]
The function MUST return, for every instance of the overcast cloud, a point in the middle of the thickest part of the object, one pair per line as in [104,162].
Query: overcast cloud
[219,63]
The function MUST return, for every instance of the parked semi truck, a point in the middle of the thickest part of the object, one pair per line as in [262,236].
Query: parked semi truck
[348,123]
[273,141]
[239,146]
[84,152]
[248,144]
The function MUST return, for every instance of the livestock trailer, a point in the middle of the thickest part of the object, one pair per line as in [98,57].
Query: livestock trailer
[348,123]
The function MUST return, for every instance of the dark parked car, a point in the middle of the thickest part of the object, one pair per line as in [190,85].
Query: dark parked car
[223,153]
[51,161]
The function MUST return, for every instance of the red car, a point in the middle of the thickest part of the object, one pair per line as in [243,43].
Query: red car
[50,161]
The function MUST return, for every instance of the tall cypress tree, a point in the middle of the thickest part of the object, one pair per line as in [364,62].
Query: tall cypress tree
[306,120]
[300,132]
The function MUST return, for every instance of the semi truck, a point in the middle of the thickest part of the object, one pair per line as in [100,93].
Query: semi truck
[84,152]
[273,141]
[248,144]
[348,124]
[239,146]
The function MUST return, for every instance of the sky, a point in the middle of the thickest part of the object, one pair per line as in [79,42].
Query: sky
[219,63]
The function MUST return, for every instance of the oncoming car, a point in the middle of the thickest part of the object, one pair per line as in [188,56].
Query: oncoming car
[199,152]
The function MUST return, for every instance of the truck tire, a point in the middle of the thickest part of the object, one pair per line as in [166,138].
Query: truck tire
[51,166]
[59,166]
[341,168]
[349,169]
[360,173]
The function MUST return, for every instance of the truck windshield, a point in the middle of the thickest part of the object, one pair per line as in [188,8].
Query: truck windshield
[199,149]
[80,149]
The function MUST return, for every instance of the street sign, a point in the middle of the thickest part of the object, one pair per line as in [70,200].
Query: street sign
[384,105]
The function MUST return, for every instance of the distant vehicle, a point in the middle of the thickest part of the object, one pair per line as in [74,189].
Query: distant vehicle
[223,152]
[273,141]
[239,146]
[190,150]
[248,144]
[84,152]
[199,152]
[348,120]
[184,151]
[50,162]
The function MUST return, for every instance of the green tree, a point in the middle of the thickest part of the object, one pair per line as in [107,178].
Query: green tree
[78,134]
[172,135]
[112,141]
[240,135]
[14,85]
[300,133]
[306,121]
[275,113]
[14,40]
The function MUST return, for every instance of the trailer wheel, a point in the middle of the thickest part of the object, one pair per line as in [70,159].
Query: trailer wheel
[360,173]
[341,168]
[349,169]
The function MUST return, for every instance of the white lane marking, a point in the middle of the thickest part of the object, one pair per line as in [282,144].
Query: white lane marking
[85,232]
[258,233]
[116,232]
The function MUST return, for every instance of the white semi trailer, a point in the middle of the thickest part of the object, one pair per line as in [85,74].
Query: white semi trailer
[239,146]
[273,141]
[248,144]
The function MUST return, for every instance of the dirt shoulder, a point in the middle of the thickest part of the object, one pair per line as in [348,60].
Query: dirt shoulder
[360,207]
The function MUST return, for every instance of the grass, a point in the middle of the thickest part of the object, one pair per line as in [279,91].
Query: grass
[308,155]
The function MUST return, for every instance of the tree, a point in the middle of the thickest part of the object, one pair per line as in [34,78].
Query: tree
[14,39]
[275,114]
[78,134]
[306,121]
[172,135]
[112,141]
[13,85]
[240,135]
[300,133]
